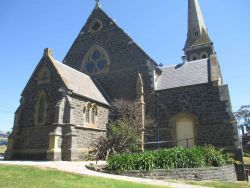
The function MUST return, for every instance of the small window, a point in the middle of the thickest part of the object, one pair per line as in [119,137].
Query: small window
[204,56]
[90,111]
[95,26]
[93,115]
[87,116]
[194,57]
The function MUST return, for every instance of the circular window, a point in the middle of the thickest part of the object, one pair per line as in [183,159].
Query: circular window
[95,26]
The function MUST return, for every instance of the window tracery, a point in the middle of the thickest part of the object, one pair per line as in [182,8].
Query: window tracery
[96,60]
[90,115]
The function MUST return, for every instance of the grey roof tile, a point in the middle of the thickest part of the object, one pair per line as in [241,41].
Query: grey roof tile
[189,73]
[78,82]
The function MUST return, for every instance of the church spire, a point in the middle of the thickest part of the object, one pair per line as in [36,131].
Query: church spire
[198,44]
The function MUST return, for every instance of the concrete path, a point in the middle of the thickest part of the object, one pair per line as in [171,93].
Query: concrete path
[79,168]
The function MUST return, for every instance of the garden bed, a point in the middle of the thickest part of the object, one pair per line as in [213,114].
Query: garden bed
[224,173]
[198,163]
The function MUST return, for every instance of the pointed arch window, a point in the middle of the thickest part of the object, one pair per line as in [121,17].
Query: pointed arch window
[93,115]
[40,109]
[96,60]
[90,115]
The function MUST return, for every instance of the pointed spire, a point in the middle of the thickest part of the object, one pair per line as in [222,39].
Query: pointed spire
[197,37]
[196,21]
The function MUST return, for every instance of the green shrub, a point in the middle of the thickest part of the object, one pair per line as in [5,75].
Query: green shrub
[177,157]
[246,154]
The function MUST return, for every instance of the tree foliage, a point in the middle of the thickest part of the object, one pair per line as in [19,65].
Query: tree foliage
[243,117]
[124,130]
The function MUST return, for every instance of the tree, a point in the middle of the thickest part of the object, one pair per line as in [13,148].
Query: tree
[243,118]
[124,130]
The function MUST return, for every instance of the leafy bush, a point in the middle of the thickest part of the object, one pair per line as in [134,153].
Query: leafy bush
[177,157]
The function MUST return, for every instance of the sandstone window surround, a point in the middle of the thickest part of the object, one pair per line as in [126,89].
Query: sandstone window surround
[90,115]
[96,60]
[40,108]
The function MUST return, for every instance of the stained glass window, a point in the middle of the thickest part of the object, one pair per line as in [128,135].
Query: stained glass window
[96,55]
[90,67]
[96,60]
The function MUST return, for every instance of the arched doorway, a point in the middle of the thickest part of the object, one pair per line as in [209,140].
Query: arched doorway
[185,132]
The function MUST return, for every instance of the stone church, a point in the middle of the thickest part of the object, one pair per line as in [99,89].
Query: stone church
[65,105]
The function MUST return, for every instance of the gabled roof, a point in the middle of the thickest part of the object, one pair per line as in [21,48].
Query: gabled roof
[86,39]
[75,81]
[78,82]
[187,74]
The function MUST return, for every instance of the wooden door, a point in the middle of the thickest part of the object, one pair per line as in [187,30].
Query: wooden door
[185,132]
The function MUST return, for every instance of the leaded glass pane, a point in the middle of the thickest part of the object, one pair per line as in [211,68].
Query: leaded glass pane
[101,64]
[90,67]
[96,55]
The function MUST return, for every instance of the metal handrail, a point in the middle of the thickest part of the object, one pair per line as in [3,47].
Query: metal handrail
[170,141]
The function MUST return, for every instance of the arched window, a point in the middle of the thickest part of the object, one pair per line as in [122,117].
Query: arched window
[40,109]
[93,115]
[194,57]
[204,55]
[90,115]
[96,60]
[87,113]
[87,116]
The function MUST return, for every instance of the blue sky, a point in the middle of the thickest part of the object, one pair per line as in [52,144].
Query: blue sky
[158,26]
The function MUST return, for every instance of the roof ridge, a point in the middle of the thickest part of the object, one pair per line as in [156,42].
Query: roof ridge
[190,62]
[66,66]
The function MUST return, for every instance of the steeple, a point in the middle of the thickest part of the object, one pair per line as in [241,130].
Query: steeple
[198,44]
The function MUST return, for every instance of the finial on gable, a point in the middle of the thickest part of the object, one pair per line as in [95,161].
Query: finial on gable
[98,4]
[48,52]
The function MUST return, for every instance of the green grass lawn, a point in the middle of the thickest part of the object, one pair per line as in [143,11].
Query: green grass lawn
[215,184]
[29,177]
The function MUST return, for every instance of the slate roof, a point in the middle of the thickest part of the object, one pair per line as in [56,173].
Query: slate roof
[189,73]
[78,82]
